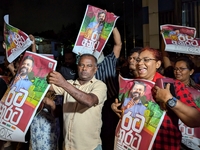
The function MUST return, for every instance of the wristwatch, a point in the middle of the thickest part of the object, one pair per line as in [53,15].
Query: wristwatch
[171,102]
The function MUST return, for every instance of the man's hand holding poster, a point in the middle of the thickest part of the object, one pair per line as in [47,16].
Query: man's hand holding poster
[141,118]
[96,27]
[16,40]
[180,39]
[24,95]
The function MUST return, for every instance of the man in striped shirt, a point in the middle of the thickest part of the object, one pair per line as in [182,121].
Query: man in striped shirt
[107,73]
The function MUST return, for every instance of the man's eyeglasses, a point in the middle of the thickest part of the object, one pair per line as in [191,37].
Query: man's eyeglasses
[180,69]
[145,60]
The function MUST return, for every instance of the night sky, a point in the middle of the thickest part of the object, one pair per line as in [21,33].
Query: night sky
[39,15]
[36,16]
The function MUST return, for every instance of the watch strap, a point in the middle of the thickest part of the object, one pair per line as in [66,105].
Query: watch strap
[172,102]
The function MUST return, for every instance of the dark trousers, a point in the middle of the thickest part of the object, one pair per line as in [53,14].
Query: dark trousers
[110,120]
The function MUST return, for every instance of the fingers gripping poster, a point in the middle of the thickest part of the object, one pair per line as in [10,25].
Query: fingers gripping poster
[24,95]
[141,118]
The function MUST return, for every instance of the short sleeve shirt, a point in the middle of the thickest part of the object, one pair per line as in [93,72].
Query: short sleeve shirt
[82,125]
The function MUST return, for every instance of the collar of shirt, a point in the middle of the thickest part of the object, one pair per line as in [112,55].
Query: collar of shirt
[157,76]
[76,82]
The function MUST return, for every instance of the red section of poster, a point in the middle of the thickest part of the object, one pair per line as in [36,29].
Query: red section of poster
[24,95]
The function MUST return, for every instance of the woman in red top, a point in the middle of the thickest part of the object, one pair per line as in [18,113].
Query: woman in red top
[179,107]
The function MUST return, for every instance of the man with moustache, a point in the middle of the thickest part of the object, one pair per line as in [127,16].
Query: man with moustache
[96,26]
[82,105]
[21,80]
[133,102]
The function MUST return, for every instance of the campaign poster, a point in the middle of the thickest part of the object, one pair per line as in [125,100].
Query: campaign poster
[16,40]
[141,118]
[24,95]
[95,30]
[180,39]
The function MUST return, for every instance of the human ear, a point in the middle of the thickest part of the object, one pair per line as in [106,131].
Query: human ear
[158,64]
[191,71]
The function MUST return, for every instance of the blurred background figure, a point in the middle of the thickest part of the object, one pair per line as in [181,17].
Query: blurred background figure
[128,69]
[69,67]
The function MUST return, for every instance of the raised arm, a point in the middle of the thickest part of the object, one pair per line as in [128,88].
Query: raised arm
[166,60]
[88,99]
[117,42]
[33,46]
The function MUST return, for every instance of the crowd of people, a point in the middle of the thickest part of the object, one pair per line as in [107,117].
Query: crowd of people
[85,111]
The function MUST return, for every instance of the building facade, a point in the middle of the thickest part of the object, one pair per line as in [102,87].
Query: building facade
[159,12]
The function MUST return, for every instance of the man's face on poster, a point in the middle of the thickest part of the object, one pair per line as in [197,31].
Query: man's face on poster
[101,17]
[137,91]
[26,67]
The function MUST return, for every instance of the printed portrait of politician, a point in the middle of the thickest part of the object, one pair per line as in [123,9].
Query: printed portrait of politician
[21,80]
[133,103]
[96,26]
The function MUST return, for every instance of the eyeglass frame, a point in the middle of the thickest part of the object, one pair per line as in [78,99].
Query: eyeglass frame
[181,69]
[145,59]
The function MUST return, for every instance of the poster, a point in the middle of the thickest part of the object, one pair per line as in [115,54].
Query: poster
[142,116]
[24,95]
[16,40]
[96,27]
[180,39]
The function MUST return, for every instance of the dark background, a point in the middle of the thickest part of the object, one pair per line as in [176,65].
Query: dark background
[61,19]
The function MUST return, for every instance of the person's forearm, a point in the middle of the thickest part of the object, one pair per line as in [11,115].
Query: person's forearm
[117,42]
[34,48]
[166,60]
[87,99]
[188,115]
